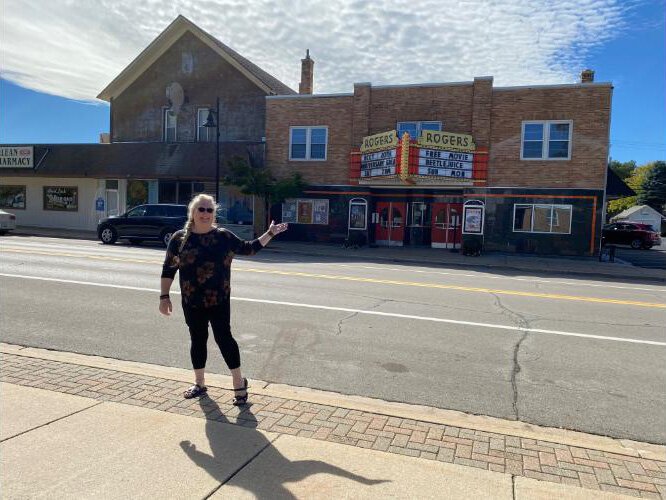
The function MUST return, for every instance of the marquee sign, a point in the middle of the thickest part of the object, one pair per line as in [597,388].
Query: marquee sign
[378,164]
[445,163]
[436,158]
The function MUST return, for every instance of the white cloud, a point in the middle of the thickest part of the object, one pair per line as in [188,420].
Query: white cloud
[75,48]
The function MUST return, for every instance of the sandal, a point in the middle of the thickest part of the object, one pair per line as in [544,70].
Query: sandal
[241,400]
[194,391]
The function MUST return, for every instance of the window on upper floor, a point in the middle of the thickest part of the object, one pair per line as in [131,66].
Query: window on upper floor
[529,218]
[204,134]
[169,126]
[546,140]
[308,143]
[414,128]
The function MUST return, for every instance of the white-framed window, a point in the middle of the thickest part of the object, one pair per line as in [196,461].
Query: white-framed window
[169,126]
[546,140]
[204,134]
[308,143]
[358,214]
[414,128]
[541,218]
[304,211]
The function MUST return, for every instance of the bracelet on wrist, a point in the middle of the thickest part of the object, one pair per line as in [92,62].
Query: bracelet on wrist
[165,296]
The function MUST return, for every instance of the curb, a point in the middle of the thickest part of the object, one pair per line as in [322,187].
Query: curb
[489,267]
[402,410]
[91,236]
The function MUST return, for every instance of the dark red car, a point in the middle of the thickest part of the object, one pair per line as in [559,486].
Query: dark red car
[630,233]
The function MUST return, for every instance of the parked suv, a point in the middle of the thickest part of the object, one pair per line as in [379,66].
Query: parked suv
[144,222]
[630,233]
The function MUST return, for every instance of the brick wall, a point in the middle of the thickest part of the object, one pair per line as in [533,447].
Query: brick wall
[334,112]
[589,108]
[450,104]
[137,113]
[493,117]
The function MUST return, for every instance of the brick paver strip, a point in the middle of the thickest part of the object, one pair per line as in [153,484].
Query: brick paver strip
[587,468]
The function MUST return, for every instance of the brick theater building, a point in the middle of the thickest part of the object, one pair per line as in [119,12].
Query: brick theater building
[517,169]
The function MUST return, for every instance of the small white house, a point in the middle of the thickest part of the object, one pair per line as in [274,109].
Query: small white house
[641,214]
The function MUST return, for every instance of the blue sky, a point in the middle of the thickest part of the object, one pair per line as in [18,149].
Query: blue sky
[46,99]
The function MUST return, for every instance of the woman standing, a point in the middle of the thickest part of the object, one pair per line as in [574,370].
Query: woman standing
[203,252]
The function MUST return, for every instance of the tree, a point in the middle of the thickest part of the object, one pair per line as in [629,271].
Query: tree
[623,169]
[653,187]
[634,181]
[258,181]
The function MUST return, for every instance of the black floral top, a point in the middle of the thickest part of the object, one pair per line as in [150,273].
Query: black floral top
[205,264]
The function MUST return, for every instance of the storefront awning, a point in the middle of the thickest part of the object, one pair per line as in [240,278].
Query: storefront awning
[154,160]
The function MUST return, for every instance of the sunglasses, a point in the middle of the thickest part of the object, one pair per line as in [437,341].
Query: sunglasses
[204,209]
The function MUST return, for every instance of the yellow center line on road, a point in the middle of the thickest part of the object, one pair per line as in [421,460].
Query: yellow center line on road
[460,288]
[576,298]
[80,256]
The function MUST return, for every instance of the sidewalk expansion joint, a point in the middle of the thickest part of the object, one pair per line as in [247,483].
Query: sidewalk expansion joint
[578,464]
[51,421]
[245,464]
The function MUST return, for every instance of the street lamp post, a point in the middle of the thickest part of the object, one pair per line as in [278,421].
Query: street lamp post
[213,120]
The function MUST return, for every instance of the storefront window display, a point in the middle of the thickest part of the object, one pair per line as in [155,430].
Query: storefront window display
[305,211]
[140,192]
[61,198]
[542,218]
[12,197]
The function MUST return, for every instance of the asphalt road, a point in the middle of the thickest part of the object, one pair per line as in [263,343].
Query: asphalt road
[654,258]
[566,352]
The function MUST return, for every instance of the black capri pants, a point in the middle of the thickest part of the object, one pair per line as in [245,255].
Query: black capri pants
[197,319]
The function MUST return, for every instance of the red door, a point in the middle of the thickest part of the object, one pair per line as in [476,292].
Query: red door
[446,225]
[391,229]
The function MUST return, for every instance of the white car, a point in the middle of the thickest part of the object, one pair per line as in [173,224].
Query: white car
[7,222]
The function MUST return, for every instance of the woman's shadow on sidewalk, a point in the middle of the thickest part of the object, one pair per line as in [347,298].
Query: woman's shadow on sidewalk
[225,441]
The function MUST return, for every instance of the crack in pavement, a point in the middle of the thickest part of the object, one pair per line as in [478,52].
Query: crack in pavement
[346,318]
[521,322]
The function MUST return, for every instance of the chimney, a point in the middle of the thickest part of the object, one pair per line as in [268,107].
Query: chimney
[587,76]
[307,74]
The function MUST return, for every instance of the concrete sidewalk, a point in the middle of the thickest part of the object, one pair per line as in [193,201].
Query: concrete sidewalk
[76,426]
[487,262]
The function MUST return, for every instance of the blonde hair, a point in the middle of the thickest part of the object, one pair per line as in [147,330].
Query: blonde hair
[190,216]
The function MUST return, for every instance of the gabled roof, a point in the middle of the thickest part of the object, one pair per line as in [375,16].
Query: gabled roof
[172,33]
[638,208]
[616,187]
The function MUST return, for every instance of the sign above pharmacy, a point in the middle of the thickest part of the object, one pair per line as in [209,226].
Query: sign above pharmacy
[17,157]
